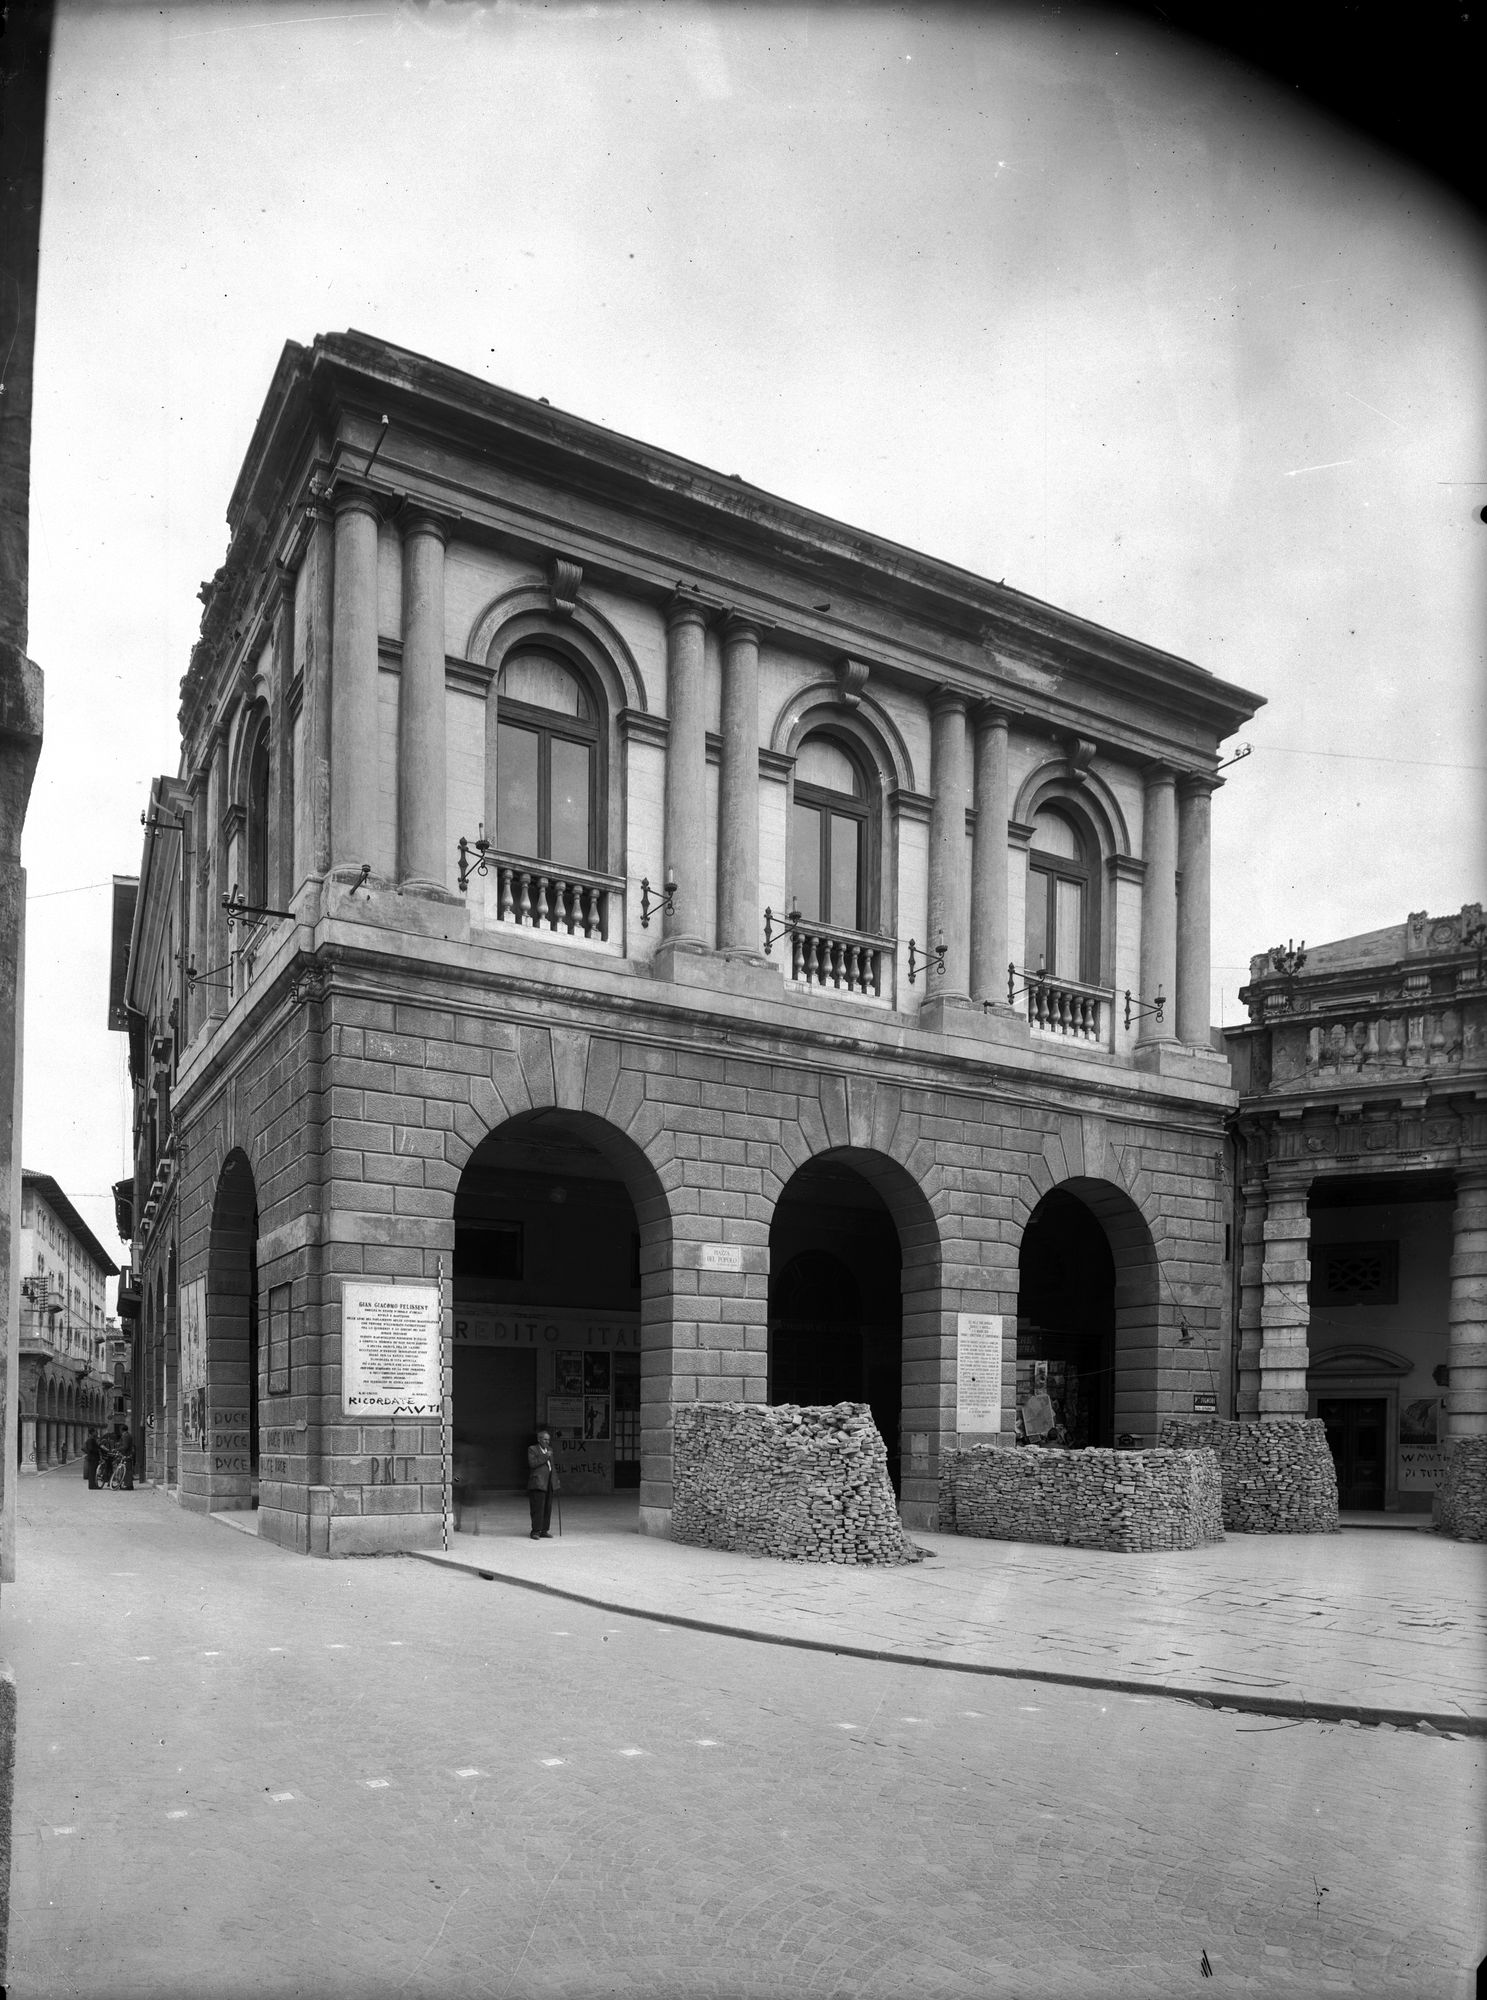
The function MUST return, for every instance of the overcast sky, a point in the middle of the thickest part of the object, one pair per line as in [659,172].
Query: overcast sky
[1067,303]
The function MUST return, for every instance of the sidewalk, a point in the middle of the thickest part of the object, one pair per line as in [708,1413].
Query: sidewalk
[1361,1626]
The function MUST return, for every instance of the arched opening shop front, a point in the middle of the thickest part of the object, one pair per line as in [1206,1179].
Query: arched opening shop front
[1087,1320]
[852,1260]
[562,1260]
[219,1388]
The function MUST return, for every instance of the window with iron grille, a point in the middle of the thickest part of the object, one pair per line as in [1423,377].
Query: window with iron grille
[1354,1274]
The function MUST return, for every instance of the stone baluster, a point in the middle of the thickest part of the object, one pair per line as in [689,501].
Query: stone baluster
[1466,1399]
[423,862]
[991,943]
[738,791]
[948,903]
[1194,949]
[353,708]
[686,770]
[1285,1313]
[1159,902]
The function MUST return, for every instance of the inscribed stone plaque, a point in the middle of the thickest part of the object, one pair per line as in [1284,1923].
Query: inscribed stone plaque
[390,1349]
[722,1256]
[978,1372]
[278,1340]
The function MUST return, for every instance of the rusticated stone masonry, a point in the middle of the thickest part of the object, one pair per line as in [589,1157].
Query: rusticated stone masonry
[1125,1500]
[809,1485]
[1279,1478]
[1461,1498]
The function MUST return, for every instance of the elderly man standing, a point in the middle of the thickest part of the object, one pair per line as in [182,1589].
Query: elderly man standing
[542,1483]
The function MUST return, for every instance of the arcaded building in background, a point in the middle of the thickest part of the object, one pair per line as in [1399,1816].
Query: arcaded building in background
[1362,1220]
[769,1040]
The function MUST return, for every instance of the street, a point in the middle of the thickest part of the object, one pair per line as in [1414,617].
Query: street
[244,1772]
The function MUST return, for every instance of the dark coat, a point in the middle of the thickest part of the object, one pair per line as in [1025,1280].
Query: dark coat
[541,1472]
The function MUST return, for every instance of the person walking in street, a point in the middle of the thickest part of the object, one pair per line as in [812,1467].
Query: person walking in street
[542,1483]
[90,1460]
[105,1462]
[126,1454]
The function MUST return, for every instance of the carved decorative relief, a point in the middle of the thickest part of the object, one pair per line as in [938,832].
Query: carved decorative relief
[564,578]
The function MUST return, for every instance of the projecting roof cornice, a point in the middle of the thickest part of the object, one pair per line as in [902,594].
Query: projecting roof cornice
[353,376]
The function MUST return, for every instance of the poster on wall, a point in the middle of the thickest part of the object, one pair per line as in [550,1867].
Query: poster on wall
[194,1364]
[565,1415]
[391,1359]
[568,1372]
[978,1372]
[278,1340]
[1421,1454]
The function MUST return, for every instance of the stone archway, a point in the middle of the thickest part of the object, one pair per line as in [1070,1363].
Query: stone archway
[854,1295]
[1089,1316]
[225,1424]
[563,1286]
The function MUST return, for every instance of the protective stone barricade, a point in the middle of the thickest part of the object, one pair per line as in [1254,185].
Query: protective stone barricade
[809,1485]
[1460,1506]
[1279,1477]
[1125,1500]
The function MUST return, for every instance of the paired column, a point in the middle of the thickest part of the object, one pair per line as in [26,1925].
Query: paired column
[1466,1399]
[1159,901]
[991,944]
[1194,950]
[738,791]
[353,707]
[1284,1310]
[422,813]
[948,912]
[686,769]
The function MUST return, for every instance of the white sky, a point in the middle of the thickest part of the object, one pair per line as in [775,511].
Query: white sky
[1063,302]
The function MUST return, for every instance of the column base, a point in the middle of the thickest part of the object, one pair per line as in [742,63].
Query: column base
[687,964]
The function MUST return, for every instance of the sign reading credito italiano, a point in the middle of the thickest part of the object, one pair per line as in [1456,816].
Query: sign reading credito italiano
[390,1350]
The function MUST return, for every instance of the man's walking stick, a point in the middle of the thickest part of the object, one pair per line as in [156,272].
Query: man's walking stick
[558,1497]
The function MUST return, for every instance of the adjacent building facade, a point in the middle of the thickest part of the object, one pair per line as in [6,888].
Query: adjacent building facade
[717,950]
[66,1337]
[1362,1122]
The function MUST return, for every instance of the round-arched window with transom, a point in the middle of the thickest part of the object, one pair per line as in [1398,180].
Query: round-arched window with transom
[1062,929]
[547,762]
[831,824]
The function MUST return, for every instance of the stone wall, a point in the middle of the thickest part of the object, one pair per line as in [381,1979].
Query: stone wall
[1279,1478]
[1128,1500]
[1460,1507]
[810,1485]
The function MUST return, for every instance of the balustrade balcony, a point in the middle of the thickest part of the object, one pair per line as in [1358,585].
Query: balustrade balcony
[568,902]
[1405,1038]
[1068,1009]
[846,961]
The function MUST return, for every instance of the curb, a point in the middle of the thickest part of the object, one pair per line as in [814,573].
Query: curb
[1286,1707]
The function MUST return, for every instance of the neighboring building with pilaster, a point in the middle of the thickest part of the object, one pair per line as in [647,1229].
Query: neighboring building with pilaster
[721,947]
[1362,1075]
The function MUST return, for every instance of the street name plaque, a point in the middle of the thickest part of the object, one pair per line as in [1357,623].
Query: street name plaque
[390,1350]
[978,1372]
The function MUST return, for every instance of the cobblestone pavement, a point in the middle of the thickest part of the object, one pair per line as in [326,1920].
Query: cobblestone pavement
[1371,1620]
[245,1772]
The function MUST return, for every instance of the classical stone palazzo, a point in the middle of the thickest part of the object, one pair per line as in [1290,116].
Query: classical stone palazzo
[675,950]
[1363,1199]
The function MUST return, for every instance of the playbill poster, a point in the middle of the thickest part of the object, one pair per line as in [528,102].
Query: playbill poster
[391,1360]
[194,1363]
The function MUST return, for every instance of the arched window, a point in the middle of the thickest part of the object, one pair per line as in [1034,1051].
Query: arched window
[831,837]
[547,762]
[1062,917]
[256,807]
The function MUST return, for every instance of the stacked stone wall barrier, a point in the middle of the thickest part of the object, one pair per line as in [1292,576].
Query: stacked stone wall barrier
[1131,1501]
[804,1484]
[1278,1478]
[1460,1505]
